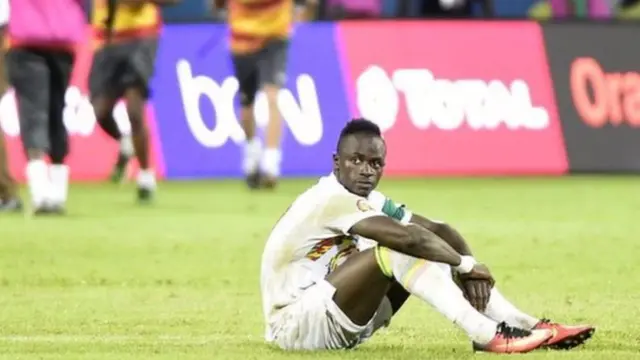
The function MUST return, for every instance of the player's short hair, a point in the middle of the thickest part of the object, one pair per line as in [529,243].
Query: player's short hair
[358,126]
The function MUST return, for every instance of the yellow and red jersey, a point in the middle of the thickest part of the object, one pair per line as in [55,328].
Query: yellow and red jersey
[131,21]
[254,22]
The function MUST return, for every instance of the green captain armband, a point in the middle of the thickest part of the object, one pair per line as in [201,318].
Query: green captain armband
[395,211]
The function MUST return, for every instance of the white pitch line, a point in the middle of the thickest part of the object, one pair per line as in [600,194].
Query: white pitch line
[179,339]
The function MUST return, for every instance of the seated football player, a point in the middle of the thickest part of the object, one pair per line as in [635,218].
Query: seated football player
[343,258]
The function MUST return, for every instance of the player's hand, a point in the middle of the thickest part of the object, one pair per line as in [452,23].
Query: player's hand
[477,293]
[479,272]
[477,285]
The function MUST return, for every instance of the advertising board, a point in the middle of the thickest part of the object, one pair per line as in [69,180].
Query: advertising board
[596,77]
[449,97]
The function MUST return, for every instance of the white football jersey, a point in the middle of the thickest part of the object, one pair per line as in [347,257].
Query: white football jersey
[309,237]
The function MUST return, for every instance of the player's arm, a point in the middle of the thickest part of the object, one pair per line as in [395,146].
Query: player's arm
[351,215]
[411,239]
[477,292]
[443,230]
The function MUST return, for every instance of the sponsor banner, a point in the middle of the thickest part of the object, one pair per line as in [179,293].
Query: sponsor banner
[596,76]
[196,99]
[459,103]
[92,153]
[452,99]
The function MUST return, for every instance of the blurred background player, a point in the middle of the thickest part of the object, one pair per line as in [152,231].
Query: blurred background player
[42,40]
[9,200]
[127,34]
[260,32]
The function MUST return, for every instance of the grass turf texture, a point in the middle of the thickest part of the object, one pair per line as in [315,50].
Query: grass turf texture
[179,279]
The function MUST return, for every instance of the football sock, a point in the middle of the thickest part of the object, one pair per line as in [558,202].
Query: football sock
[126,146]
[59,175]
[146,179]
[38,182]
[500,309]
[252,153]
[270,163]
[432,282]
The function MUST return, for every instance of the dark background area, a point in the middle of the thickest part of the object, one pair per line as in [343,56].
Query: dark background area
[199,10]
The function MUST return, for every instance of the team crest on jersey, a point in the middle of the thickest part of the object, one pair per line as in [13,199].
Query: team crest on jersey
[363,205]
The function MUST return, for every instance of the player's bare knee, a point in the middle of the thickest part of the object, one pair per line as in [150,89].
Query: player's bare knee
[271,91]
[137,124]
[102,108]
[247,99]
[135,106]
[246,112]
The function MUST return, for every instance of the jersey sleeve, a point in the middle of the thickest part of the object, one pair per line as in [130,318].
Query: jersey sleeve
[390,208]
[342,211]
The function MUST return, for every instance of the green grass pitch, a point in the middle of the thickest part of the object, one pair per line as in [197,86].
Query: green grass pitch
[179,279]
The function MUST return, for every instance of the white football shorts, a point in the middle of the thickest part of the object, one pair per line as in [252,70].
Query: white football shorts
[314,322]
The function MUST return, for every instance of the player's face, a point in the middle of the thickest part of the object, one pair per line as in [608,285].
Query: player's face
[360,162]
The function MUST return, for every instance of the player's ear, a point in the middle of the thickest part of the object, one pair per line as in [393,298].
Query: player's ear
[335,161]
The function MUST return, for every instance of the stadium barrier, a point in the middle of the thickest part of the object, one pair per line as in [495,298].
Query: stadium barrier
[453,98]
